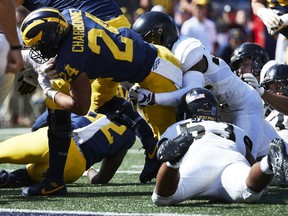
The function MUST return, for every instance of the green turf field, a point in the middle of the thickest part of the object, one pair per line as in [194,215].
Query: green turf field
[124,194]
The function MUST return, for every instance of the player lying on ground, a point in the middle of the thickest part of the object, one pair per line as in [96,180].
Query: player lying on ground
[204,158]
[95,139]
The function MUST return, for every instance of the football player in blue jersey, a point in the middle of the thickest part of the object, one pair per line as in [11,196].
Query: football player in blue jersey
[104,89]
[95,139]
[87,48]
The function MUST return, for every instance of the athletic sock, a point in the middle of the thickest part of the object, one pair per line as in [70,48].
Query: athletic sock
[59,134]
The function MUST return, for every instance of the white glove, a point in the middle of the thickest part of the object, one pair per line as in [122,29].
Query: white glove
[142,97]
[145,97]
[252,81]
[46,85]
[28,81]
[284,20]
[271,20]
[133,94]
[48,68]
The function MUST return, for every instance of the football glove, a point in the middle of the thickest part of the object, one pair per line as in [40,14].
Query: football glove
[284,20]
[28,81]
[271,20]
[48,69]
[142,97]
[252,81]
[133,94]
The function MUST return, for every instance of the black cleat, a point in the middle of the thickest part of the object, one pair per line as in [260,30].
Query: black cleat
[4,179]
[150,169]
[173,150]
[17,178]
[151,165]
[278,159]
[48,187]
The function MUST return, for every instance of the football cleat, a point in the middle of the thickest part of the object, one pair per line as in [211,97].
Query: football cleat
[278,159]
[48,187]
[150,169]
[4,178]
[17,178]
[173,150]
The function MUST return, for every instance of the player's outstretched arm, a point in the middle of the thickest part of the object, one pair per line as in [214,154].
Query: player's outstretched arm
[107,170]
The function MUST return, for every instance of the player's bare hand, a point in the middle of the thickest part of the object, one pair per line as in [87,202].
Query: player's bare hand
[15,61]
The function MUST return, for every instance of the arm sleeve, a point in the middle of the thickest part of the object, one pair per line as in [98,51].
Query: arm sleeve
[191,79]
[28,62]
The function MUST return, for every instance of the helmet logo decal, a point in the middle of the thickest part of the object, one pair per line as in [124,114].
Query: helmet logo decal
[195,97]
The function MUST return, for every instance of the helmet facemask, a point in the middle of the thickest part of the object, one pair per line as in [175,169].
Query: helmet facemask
[153,36]
[257,64]
[47,48]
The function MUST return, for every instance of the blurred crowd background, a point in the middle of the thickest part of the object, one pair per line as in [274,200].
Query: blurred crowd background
[221,25]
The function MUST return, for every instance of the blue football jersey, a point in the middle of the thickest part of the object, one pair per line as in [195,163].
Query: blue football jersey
[280,5]
[100,50]
[105,142]
[104,9]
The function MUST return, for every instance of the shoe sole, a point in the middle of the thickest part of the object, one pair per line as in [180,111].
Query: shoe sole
[174,150]
[279,161]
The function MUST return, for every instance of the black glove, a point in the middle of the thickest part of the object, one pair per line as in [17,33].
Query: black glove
[28,81]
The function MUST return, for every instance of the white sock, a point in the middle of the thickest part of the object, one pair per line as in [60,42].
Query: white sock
[264,166]
[173,166]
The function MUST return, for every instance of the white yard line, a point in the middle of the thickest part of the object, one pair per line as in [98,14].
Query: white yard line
[24,212]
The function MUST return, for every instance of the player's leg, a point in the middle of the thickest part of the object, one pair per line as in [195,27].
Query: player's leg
[40,122]
[243,183]
[105,101]
[23,149]
[35,172]
[59,137]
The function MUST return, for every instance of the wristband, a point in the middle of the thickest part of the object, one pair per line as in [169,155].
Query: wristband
[16,47]
[50,93]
